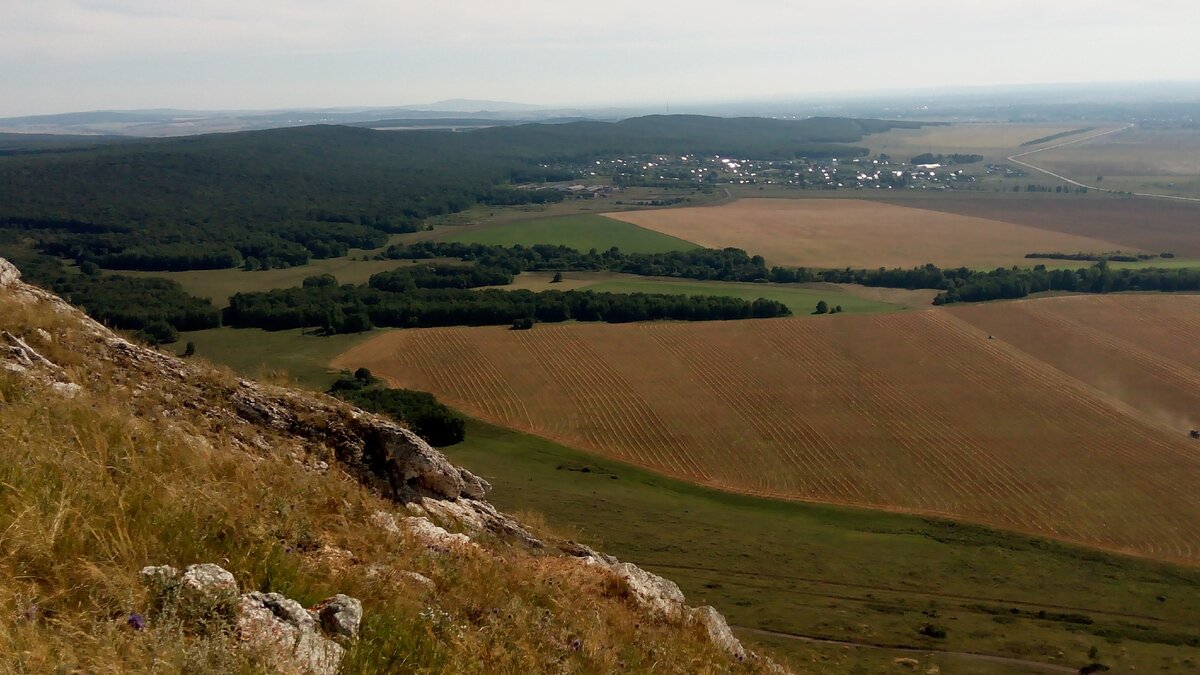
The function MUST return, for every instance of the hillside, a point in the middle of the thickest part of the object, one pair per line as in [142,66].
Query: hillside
[119,459]
[1062,417]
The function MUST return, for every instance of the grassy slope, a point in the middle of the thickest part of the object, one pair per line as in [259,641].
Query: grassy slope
[131,472]
[851,574]
[800,300]
[582,232]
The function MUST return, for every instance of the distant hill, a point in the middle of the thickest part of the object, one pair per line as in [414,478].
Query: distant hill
[475,105]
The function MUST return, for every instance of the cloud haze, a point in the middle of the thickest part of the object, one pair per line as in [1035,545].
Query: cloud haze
[59,55]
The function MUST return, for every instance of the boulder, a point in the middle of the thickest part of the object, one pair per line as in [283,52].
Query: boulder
[340,616]
[286,633]
[718,631]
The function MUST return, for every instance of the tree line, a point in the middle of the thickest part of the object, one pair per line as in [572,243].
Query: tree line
[728,264]
[1100,278]
[155,308]
[350,308]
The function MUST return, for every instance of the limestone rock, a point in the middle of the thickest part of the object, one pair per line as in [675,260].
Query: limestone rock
[434,537]
[420,580]
[281,629]
[653,592]
[340,616]
[207,583]
[9,274]
[718,631]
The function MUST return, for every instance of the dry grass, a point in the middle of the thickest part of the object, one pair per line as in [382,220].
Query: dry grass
[919,412]
[95,487]
[855,233]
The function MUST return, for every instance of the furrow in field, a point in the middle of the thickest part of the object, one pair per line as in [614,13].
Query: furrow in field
[756,405]
[1102,450]
[624,416]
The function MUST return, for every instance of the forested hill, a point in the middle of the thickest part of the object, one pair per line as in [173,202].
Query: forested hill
[757,137]
[283,196]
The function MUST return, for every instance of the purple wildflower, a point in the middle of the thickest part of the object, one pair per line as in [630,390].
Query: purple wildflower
[136,621]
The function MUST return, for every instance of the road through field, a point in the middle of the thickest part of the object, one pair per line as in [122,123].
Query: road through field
[1064,423]
[1016,160]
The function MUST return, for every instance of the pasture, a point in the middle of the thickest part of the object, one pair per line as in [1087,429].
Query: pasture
[919,412]
[825,233]
[580,232]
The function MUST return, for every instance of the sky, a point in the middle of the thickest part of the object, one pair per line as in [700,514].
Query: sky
[73,55]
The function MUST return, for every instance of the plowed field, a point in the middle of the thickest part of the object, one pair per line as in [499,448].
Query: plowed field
[861,234]
[1070,422]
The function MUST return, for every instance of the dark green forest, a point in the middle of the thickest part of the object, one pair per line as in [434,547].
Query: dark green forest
[280,197]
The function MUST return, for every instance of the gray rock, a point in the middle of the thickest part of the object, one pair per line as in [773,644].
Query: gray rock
[651,591]
[9,274]
[207,583]
[286,633]
[340,616]
[434,537]
[718,631]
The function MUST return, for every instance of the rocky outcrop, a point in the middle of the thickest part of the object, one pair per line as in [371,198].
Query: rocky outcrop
[292,639]
[444,506]
[661,597]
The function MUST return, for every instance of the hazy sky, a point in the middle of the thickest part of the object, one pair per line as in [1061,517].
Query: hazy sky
[67,55]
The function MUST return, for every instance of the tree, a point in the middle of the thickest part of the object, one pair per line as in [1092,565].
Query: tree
[364,375]
[837,309]
[822,307]
[89,268]
[557,278]
[189,349]
[158,333]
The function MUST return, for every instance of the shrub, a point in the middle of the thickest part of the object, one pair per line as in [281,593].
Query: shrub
[933,631]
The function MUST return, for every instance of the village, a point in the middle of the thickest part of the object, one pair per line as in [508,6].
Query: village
[607,177]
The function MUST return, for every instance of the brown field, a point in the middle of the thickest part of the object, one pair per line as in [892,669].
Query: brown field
[1082,439]
[859,233]
[1131,222]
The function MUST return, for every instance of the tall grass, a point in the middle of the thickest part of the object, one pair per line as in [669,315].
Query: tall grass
[93,488]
